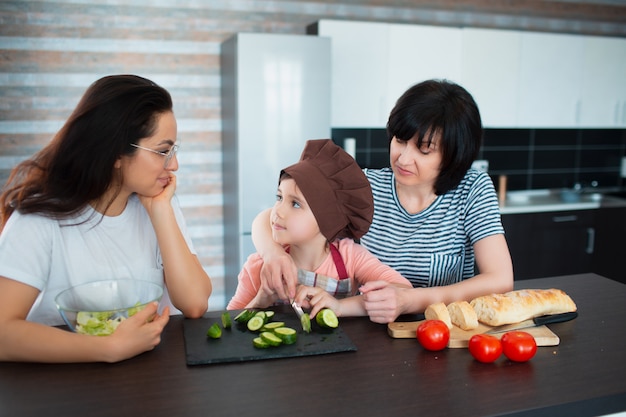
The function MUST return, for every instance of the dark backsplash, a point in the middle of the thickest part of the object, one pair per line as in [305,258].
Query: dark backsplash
[530,158]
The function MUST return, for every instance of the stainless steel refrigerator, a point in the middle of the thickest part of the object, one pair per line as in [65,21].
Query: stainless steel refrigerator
[275,96]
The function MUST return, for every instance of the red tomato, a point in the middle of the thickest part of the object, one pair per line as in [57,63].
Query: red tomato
[485,348]
[518,346]
[433,334]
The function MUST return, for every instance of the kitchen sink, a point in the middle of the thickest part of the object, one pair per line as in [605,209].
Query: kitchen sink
[526,201]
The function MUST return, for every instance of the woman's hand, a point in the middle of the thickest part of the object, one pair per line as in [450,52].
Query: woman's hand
[279,274]
[316,298]
[138,333]
[383,301]
[165,196]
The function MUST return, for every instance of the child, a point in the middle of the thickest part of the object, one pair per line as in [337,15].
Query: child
[323,203]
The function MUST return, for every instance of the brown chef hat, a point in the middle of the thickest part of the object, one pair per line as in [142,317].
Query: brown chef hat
[335,188]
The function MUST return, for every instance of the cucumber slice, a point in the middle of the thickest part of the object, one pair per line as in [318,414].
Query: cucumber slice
[269,314]
[273,325]
[226,321]
[305,320]
[214,332]
[255,323]
[244,316]
[327,318]
[271,339]
[259,343]
[262,315]
[287,335]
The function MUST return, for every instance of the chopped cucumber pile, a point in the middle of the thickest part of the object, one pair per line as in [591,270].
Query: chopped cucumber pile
[102,323]
[271,333]
[96,324]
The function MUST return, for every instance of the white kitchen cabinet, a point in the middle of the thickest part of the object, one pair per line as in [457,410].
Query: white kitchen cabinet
[603,90]
[418,53]
[526,79]
[519,79]
[359,62]
[550,80]
[374,63]
[490,67]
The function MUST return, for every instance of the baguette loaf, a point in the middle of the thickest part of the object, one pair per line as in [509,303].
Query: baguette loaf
[438,311]
[520,305]
[463,315]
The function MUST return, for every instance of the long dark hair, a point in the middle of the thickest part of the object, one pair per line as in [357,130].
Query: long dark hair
[77,166]
[440,107]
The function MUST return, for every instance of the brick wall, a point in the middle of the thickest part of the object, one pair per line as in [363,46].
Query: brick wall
[50,51]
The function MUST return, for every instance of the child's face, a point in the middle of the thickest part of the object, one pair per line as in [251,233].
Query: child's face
[291,219]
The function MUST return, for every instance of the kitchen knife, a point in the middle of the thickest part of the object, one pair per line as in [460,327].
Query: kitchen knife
[537,321]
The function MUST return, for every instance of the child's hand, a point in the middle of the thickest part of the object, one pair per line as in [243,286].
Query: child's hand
[265,297]
[316,298]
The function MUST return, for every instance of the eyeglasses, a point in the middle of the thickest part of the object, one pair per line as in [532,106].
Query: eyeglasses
[168,155]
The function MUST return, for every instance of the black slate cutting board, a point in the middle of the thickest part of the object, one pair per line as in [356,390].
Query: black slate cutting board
[235,345]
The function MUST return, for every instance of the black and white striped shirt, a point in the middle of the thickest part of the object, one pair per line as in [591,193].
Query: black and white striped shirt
[433,247]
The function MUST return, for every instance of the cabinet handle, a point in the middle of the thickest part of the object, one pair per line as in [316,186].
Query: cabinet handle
[591,239]
[561,219]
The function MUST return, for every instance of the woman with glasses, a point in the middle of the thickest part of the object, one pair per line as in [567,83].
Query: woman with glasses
[97,203]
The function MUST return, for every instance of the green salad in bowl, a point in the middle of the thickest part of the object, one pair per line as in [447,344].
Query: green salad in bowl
[97,308]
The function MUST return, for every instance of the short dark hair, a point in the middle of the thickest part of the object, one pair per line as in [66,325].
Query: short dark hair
[440,107]
[77,166]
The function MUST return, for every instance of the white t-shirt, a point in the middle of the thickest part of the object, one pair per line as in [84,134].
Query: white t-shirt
[52,255]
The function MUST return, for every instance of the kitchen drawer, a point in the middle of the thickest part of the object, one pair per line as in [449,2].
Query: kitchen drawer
[550,244]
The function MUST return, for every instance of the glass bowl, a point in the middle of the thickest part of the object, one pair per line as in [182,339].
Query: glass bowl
[97,308]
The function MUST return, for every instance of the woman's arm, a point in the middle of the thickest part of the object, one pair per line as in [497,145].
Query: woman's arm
[188,285]
[279,273]
[385,303]
[368,267]
[495,276]
[26,341]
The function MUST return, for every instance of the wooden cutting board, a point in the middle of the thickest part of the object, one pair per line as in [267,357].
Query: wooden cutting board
[459,338]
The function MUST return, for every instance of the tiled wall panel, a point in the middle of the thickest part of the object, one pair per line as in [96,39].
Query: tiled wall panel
[530,158]
[51,50]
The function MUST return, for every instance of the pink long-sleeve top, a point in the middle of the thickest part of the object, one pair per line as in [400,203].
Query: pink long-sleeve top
[361,266]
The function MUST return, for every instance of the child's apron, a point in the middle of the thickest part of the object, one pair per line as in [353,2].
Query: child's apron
[339,288]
